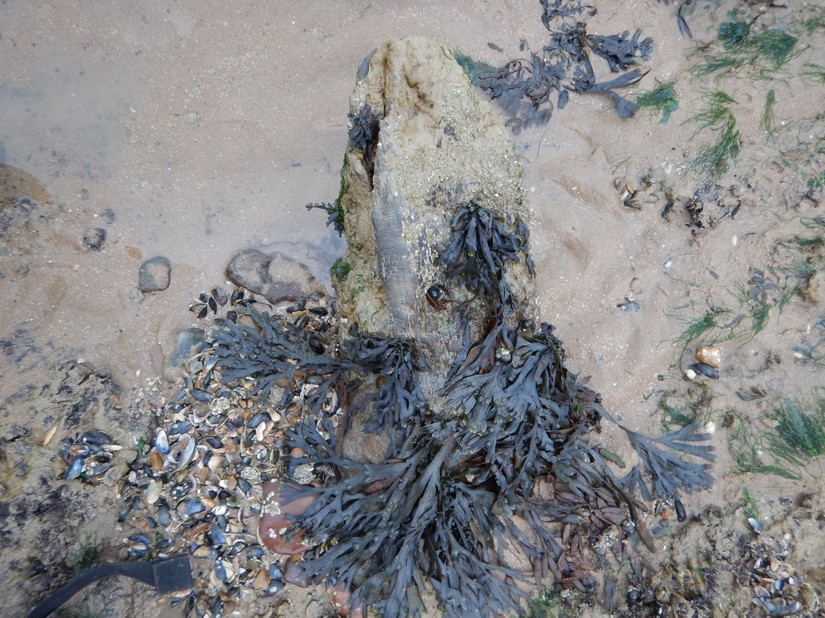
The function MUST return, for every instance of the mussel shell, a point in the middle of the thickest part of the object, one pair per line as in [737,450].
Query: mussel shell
[180,428]
[75,469]
[95,437]
[162,442]
[705,370]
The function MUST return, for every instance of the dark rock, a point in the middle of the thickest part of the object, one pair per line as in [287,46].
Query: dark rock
[94,238]
[276,276]
[154,274]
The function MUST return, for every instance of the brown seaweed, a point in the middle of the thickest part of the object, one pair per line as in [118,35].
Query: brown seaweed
[524,87]
[439,512]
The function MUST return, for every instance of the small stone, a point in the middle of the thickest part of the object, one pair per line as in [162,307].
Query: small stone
[94,238]
[154,274]
[710,355]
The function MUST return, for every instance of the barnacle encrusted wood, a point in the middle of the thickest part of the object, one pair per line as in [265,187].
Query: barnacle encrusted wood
[437,145]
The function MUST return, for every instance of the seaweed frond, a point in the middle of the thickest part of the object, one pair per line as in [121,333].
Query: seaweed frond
[363,135]
[765,52]
[661,99]
[814,71]
[799,433]
[480,246]
[669,474]
[399,403]
[697,328]
[335,214]
[767,113]
[718,117]
[797,437]
[272,352]
[524,87]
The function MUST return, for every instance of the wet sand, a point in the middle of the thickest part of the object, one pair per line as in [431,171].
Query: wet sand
[194,130]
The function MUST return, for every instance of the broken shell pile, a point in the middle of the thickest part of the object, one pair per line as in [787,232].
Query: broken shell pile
[777,588]
[89,455]
[197,488]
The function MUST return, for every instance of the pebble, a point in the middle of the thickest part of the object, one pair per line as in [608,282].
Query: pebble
[709,355]
[154,274]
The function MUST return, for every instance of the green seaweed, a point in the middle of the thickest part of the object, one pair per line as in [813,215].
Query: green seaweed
[798,437]
[814,71]
[732,34]
[716,157]
[764,52]
[798,277]
[815,22]
[340,269]
[335,214]
[661,99]
[800,430]
[749,508]
[748,451]
[86,555]
[759,317]
[673,416]
[767,113]
[697,328]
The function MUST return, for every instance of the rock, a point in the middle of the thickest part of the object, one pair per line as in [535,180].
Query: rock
[276,276]
[154,274]
[438,146]
[94,238]
[709,355]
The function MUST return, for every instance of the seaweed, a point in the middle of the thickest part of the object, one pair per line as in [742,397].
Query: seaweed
[765,51]
[390,529]
[438,512]
[749,507]
[798,436]
[681,21]
[272,352]
[479,248]
[524,87]
[661,99]
[363,135]
[718,117]
[814,71]
[767,122]
[798,433]
[815,22]
[435,513]
[670,475]
[399,403]
[698,327]
[340,269]
[335,214]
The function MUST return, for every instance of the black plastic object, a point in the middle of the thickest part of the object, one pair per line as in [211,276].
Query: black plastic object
[167,575]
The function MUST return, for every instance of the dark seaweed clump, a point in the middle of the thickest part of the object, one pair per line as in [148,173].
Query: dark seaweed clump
[508,467]
[363,135]
[524,87]
[335,214]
